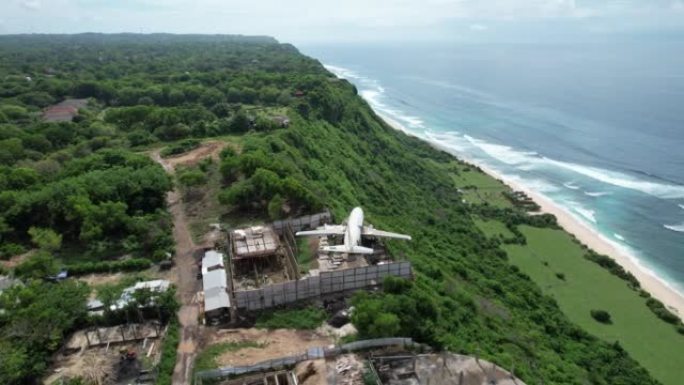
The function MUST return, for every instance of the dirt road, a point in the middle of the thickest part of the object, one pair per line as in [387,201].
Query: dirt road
[188,285]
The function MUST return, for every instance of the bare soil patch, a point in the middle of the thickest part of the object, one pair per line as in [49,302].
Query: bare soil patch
[205,150]
[101,279]
[17,259]
[277,343]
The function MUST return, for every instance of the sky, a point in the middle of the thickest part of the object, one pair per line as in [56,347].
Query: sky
[311,21]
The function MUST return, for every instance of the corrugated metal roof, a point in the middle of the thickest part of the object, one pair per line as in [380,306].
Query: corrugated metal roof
[211,260]
[216,298]
[215,278]
[156,285]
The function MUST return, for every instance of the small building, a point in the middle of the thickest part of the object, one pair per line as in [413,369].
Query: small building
[65,111]
[155,286]
[215,278]
[216,297]
[216,302]
[212,260]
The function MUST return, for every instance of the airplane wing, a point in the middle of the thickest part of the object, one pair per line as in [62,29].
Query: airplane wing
[371,232]
[327,230]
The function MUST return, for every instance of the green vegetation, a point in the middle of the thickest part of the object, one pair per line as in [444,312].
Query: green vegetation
[180,147]
[207,358]
[494,229]
[601,316]
[306,318]
[587,287]
[82,181]
[478,187]
[35,320]
[168,353]
[304,255]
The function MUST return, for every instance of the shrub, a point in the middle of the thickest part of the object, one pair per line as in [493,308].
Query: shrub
[9,250]
[612,266]
[180,147]
[168,358]
[307,318]
[560,276]
[133,264]
[661,311]
[396,285]
[601,316]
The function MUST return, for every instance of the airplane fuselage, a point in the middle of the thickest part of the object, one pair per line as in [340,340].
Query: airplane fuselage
[352,235]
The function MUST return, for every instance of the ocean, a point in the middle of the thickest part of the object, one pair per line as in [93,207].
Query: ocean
[597,128]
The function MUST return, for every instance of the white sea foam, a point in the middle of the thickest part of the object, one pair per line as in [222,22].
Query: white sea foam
[344,73]
[678,228]
[660,190]
[681,206]
[597,193]
[528,160]
[503,153]
[587,214]
[374,97]
[463,147]
[571,185]
[538,185]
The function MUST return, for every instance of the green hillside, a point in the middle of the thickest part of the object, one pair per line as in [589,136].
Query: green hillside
[145,92]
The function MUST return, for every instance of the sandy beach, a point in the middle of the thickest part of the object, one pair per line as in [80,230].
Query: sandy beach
[585,234]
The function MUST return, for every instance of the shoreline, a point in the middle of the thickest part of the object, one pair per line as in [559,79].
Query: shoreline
[648,280]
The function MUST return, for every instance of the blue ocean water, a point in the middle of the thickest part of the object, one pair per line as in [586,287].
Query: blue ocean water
[597,128]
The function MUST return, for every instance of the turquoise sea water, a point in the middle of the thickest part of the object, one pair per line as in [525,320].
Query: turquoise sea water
[597,128]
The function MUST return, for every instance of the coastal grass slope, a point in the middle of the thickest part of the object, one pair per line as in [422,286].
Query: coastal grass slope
[557,264]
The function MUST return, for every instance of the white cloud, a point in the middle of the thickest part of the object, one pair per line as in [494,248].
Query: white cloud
[301,20]
[32,5]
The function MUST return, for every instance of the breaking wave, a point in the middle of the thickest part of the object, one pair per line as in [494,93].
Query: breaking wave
[597,193]
[585,213]
[678,228]
[571,186]
[619,237]
[659,190]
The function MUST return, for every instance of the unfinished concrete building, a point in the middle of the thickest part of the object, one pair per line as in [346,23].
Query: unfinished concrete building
[258,258]
[440,369]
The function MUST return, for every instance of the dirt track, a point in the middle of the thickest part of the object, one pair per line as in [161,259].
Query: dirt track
[188,285]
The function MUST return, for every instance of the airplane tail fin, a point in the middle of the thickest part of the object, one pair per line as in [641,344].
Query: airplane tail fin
[348,250]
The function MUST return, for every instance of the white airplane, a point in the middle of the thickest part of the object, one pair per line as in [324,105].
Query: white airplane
[352,231]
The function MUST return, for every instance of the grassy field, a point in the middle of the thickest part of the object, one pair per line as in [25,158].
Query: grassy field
[479,187]
[493,228]
[585,287]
